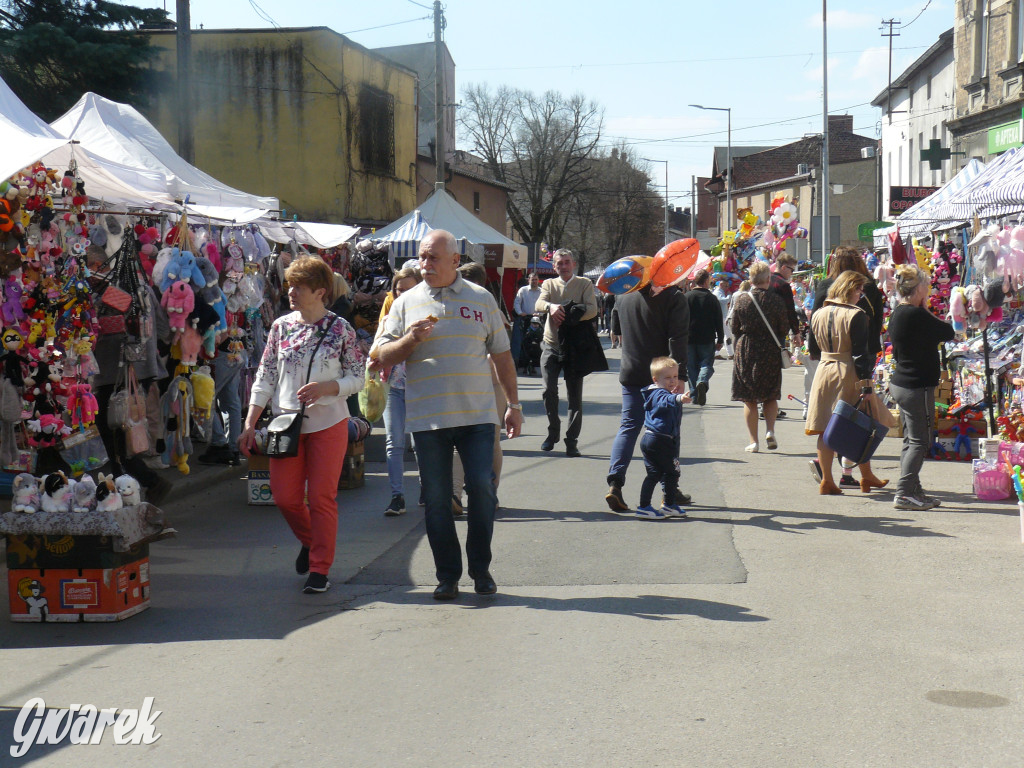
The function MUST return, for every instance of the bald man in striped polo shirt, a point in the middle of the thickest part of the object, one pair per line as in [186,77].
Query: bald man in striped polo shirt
[444,329]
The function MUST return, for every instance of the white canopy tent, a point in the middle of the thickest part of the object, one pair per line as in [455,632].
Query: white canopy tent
[308,233]
[476,239]
[118,133]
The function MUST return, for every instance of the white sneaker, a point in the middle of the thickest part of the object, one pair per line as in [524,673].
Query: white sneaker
[770,442]
[650,513]
[752,448]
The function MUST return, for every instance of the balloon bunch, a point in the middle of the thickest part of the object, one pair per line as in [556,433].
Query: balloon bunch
[669,266]
[783,225]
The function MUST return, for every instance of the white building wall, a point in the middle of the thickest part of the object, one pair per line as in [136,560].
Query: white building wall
[919,115]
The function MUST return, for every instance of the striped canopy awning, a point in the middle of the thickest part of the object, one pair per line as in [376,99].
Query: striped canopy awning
[924,216]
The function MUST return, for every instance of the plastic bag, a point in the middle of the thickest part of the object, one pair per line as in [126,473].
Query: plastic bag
[373,397]
[84,451]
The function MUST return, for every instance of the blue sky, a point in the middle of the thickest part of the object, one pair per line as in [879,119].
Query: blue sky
[644,61]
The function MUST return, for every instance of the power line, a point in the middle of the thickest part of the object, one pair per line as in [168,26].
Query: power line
[421,5]
[674,61]
[382,26]
[918,15]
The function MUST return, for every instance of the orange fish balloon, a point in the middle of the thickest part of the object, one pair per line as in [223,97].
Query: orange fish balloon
[674,262]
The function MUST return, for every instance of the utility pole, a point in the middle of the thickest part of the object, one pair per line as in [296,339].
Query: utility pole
[888,89]
[693,206]
[439,102]
[825,189]
[186,132]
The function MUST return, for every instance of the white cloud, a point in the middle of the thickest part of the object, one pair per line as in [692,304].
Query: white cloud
[873,66]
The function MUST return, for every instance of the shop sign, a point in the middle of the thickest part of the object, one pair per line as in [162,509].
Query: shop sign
[1004,137]
[901,198]
[866,231]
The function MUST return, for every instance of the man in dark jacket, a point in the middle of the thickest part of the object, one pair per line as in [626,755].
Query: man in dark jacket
[649,326]
[707,335]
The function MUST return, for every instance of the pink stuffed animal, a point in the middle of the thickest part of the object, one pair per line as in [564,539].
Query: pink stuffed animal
[82,405]
[179,301]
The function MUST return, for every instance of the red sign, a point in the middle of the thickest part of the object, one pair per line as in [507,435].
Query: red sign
[901,198]
[79,593]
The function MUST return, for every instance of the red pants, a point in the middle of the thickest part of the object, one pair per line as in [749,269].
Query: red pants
[313,474]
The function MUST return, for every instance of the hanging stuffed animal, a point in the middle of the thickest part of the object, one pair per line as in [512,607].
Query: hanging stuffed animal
[175,408]
[82,405]
[179,301]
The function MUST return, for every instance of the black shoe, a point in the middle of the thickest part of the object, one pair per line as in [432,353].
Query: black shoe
[396,507]
[548,445]
[457,508]
[447,590]
[302,562]
[682,499]
[158,491]
[849,480]
[780,415]
[572,451]
[217,454]
[317,582]
[484,584]
[702,393]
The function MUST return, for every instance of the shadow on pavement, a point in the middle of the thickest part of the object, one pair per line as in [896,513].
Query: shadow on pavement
[810,521]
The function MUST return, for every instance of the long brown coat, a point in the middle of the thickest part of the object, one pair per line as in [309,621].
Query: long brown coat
[836,378]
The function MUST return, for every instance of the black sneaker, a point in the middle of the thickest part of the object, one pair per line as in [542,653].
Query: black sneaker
[217,454]
[317,582]
[702,393]
[849,480]
[302,562]
[396,507]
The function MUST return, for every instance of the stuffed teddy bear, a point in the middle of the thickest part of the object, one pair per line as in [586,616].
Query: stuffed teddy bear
[26,493]
[84,495]
[57,493]
[130,490]
[179,301]
[107,497]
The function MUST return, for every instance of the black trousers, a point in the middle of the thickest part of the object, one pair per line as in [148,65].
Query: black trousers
[660,460]
[551,367]
[113,441]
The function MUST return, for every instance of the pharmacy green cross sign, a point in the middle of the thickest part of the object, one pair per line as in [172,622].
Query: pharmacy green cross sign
[935,154]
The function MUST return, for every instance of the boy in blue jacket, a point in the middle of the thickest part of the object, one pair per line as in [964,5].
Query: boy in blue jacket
[663,411]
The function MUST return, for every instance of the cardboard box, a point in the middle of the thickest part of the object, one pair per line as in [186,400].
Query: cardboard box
[257,488]
[79,594]
[353,474]
[258,462]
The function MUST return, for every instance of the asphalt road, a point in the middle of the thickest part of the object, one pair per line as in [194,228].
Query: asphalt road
[772,628]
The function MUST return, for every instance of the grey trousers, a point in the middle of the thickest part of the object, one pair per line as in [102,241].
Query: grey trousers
[917,407]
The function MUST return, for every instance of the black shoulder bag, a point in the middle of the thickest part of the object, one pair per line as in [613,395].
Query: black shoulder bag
[283,432]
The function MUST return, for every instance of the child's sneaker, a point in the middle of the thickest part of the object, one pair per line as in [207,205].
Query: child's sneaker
[650,513]
[673,510]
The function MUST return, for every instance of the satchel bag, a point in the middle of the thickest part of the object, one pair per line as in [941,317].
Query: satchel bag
[853,433]
[284,430]
[787,359]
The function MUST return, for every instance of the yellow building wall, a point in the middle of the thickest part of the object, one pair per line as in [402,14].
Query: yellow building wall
[276,113]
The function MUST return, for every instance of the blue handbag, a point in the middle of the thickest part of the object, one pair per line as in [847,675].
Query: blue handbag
[852,433]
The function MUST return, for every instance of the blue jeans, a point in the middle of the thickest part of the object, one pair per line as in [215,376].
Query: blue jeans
[629,430]
[700,363]
[435,451]
[394,441]
[516,340]
[226,375]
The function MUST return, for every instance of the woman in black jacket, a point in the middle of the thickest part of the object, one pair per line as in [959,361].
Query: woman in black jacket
[915,334]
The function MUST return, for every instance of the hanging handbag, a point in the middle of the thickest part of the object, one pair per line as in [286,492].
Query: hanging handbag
[284,431]
[852,432]
[787,359]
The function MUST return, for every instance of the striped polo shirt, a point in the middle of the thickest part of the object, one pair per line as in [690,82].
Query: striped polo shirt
[448,376]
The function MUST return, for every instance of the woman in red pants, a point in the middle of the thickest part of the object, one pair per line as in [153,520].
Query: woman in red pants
[311,359]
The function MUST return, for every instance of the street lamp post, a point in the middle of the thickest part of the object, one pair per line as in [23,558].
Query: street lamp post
[649,160]
[728,160]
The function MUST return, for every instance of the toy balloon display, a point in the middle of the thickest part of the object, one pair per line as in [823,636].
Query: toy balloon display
[673,263]
[628,274]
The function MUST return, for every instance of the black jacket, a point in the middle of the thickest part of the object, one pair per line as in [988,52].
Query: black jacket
[650,327]
[706,325]
[581,350]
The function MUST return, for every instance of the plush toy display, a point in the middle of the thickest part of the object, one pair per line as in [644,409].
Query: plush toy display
[107,497]
[57,493]
[84,495]
[129,489]
[179,301]
[25,489]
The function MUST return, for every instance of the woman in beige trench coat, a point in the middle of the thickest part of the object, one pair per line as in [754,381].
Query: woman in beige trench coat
[841,330]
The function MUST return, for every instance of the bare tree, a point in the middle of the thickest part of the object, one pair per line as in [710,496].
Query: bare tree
[539,145]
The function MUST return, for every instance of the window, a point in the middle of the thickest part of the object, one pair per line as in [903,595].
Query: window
[899,165]
[928,83]
[981,55]
[377,131]
[476,202]
[910,163]
[1018,27]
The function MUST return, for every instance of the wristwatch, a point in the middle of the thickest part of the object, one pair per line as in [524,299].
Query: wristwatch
[514,406]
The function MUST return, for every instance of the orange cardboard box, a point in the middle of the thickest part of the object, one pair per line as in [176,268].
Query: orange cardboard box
[82,594]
